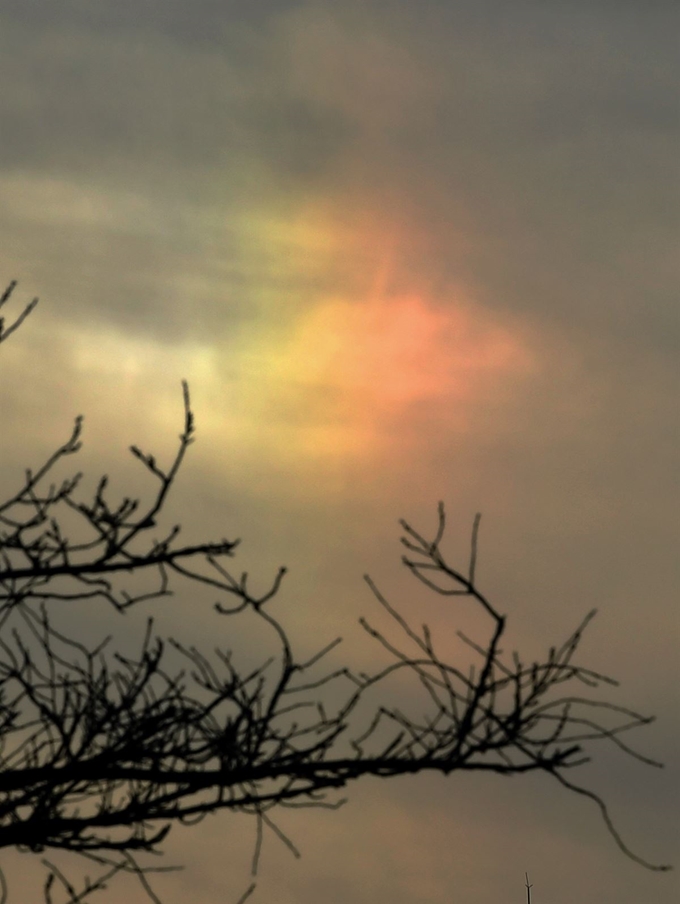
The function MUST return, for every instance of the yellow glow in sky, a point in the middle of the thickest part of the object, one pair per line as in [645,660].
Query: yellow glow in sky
[350,368]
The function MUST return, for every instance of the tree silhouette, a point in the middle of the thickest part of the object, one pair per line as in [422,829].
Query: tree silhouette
[102,753]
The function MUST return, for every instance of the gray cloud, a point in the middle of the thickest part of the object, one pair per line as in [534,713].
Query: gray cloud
[154,159]
[547,133]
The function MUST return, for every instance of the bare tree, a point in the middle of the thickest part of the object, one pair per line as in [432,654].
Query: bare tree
[102,753]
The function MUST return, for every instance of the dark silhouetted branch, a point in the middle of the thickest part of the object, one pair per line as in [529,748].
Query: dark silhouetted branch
[102,753]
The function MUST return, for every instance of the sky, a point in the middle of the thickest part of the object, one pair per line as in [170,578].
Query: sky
[402,252]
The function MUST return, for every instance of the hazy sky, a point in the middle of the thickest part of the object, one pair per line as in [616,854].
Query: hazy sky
[403,251]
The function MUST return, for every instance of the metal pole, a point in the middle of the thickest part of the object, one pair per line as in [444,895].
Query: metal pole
[528,887]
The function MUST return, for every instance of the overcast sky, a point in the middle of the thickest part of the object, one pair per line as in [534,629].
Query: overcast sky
[402,251]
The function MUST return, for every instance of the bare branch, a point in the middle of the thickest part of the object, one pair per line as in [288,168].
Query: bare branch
[6,331]
[102,753]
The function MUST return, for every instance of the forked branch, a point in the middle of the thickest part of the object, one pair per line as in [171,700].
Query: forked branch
[102,753]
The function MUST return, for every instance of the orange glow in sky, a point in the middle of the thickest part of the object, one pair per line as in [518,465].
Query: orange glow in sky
[350,368]
[387,351]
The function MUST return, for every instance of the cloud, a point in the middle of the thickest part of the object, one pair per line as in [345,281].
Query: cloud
[546,139]
[402,252]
